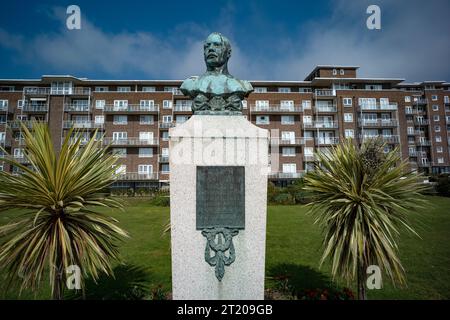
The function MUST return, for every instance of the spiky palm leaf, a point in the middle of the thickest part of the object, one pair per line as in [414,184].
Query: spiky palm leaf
[59,226]
[361,199]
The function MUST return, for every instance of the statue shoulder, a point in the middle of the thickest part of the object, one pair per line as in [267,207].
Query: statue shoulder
[188,85]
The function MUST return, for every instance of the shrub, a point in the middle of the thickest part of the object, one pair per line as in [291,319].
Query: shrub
[443,185]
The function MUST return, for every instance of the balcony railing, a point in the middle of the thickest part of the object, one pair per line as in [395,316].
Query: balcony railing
[78,91]
[377,106]
[275,108]
[326,140]
[286,175]
[165,125]
[36,91]
[40,107]
[423,143]
[378,122]
[77,108]
[16,124]
[81,124]
[385,138]
[326,109]
[182,108]
[324,93]
[288,141]
[423,122]
[309,157]
[132,108]
[137,176]
[421,101]
[321,125]
[423,162]
[129,142]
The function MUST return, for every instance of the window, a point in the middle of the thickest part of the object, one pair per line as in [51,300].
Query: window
[244,104]
[437,128]
[99,119]
[435,107]
[407,99]
[438,139]
[123,89]
[347,102]
[439,149]
[3,103]
[101,89]
[349,133]
[20,104]
[287,105]
[145,152]
[120,152]
[436,117]
[2,118]
[120,135]
[410,130]
[145,119]
[18,153]
[167,119]
[165,135]
[2,136]
[308,151]
[260,89]
[262,104]
[373,87]
[147,104]
[288,136]
[440,160]
[120,105]
[434,97]
[174,90]
[307,119]
[145,169]
[165,168]
[120,119]
[334,72]
[99,104]
[1,167]
[284,90]
[148,89]
[446,99]
[167,104]
[262,120]
[287,119]
[181,119]
[60,87]
[348,117]
[341,72]
[289,168]
[306,104]
[288,151]
[146,136]
[122,169]
[22,117]
[165,152]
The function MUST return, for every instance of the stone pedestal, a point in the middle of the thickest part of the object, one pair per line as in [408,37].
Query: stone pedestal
[216,140]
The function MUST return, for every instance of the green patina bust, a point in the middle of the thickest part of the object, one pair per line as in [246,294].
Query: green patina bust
[216,91]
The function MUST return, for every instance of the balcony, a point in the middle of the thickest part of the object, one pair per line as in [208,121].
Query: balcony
[163,159]
[275,108]
[326,109]
[77,108]
[324,93]
[447,101]
[131,108]
[423,143]
[16,124]
[423,162]
[182,108]
[81,125]
[309,157]
[378,123]
[166,125]
[321,125]
[288,141]
[379,107]
[130,142]
[327,140]
[137,176]
[423,122]
[385,138]
[421,101]
[286,175]
[5,143]
[75,91]
[35,108]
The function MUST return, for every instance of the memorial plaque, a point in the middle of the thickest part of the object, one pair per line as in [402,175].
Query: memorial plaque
[220,197]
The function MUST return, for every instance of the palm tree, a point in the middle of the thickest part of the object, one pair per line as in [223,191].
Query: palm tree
[59,226]
[360,198]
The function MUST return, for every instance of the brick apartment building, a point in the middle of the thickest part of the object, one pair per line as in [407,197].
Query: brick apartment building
[332,103]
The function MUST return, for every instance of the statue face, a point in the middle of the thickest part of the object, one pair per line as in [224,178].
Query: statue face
[215,51]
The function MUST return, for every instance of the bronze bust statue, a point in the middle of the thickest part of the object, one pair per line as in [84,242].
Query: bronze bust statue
[216,91]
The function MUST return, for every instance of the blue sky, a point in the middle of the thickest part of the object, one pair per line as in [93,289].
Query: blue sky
[271,40]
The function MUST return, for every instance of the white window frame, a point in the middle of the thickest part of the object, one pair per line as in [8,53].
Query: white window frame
[123,89]
[167,104]
[121,123]
[151,121]
[348,117]
[99,119]
[263,119]
[145,155]
[288,154]
[347,102]
[284,120]
[100,104]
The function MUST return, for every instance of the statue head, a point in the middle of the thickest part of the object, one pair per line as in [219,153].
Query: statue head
[217,51]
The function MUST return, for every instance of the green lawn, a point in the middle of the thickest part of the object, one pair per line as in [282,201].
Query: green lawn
[293,249]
